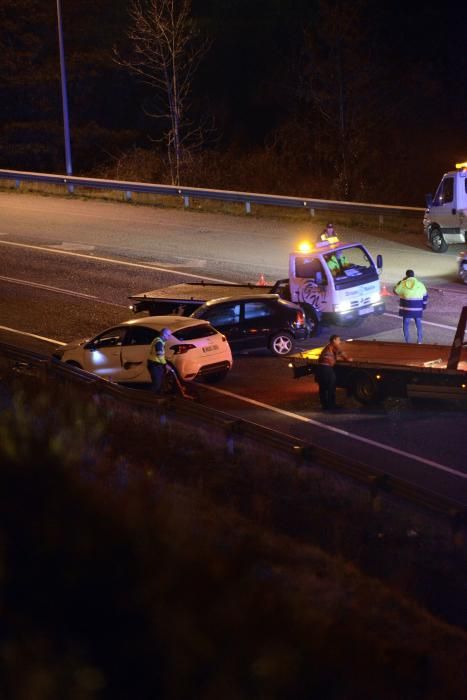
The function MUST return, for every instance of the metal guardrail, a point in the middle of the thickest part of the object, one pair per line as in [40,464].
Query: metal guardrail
[188,193]
[236,430]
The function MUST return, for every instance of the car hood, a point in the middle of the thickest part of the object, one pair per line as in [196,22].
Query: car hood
[72,345]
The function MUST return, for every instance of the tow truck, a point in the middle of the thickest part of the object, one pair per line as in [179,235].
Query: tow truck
[331,281]
[380,370]
[445,219]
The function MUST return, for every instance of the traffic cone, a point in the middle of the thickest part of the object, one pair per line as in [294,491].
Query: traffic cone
[261,282]
[385,292]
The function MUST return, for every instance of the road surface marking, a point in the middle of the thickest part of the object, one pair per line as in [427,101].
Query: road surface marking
[72,246]
[154,268]
[339,431]
[425,323]
[32,335]
[60,290]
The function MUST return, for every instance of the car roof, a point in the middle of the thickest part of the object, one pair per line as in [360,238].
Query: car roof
[172,322]
[243,297]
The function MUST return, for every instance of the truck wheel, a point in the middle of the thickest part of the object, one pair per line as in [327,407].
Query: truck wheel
[311,320]
[281,344]
[438,244]
[366,389]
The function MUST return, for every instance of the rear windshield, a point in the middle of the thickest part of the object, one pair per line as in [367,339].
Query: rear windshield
[194,332]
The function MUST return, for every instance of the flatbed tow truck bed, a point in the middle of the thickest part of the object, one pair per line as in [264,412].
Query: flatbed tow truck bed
[189,296]
[381,369]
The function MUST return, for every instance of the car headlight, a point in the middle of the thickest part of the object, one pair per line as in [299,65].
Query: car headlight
[375,298]
[342,307]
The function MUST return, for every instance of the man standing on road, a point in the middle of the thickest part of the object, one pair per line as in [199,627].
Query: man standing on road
[325,374]
[156,360]
[413,299]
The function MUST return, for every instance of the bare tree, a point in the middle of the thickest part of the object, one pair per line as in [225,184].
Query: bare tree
[166,51]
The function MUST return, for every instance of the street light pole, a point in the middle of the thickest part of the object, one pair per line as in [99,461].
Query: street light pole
[66,124]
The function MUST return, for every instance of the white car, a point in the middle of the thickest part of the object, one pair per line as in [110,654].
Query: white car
[195,349]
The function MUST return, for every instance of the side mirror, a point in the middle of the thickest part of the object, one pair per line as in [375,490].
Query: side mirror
[319,277]
[428,200]
[379,262]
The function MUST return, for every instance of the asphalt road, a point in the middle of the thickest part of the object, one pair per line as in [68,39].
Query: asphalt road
[67,267]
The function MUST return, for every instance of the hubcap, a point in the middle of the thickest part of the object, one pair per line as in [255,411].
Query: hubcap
[282,345]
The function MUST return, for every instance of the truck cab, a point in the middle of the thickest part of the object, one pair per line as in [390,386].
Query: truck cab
[338,282]
[445,219]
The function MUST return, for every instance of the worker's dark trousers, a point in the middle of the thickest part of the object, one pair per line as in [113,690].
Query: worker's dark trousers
[326,378]
[157,371]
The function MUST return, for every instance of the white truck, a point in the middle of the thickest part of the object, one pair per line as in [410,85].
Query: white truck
[445,219]
[333,282]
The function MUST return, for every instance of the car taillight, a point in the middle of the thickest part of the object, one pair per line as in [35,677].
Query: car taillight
[300,319]
[182,349]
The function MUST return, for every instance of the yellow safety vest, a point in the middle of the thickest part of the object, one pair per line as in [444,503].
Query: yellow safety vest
[153,356]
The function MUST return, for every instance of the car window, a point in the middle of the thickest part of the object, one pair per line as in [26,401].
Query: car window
[349,262]
[140,335]
[222,315]
[110,338]
[194,332]
[308,267]
[257,309]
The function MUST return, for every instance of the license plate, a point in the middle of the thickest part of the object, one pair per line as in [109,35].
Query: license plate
[362,312]
[210,348]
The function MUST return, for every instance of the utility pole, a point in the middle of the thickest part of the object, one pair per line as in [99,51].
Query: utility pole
[66,124]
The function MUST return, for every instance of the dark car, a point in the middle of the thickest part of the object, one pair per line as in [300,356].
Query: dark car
[257,321]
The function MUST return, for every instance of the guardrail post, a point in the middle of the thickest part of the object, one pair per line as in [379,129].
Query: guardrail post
[247,207]
[234,428]
[17,184]
[186,202]
[128,196]
[381,220]
[377,485]
[312,212]
[458,526]
[69,186]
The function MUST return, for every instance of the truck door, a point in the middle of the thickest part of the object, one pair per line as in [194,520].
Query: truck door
[309,282]
[444,208]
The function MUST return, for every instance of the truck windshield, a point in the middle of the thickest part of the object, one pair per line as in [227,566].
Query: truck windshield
[350,263]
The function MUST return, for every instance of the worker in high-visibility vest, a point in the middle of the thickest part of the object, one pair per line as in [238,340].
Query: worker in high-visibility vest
[157,361]
[413,299]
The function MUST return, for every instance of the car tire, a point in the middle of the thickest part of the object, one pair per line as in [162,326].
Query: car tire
[438,244]
[366,389]
[215,377]
[281,344]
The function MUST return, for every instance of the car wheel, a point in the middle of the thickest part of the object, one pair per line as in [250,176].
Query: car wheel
[438,244]
[366,389]
[216,377]
[281,344]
